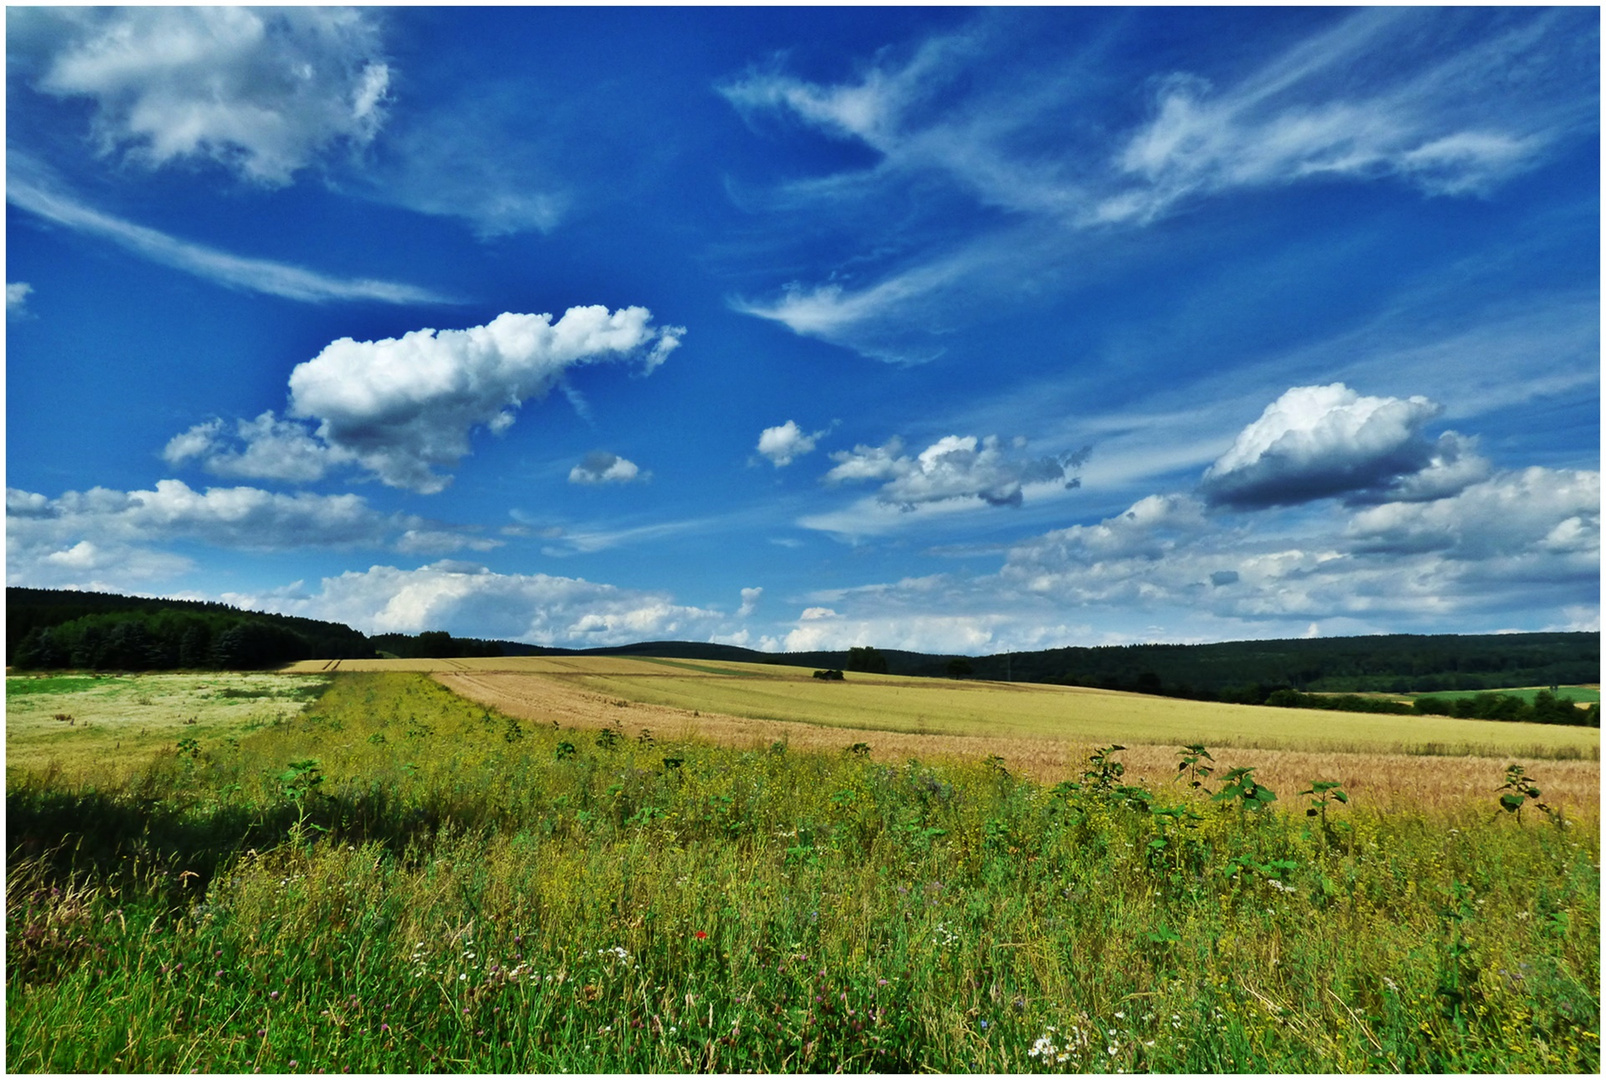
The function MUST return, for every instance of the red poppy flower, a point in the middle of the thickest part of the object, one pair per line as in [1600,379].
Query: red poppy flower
[701,934]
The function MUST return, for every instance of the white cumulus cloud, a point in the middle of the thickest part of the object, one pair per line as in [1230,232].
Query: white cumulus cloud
[17,299]
[472,600]
[601,467]
[953,467]
[265,448]
[404,407]
[786,442]
[1516,541]
[1549,512]
[120,536]
[263,92]
[1314,442]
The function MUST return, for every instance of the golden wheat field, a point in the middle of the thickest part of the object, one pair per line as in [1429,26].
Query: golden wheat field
[1044,731]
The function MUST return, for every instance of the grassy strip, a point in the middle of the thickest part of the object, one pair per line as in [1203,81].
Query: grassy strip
[399,880]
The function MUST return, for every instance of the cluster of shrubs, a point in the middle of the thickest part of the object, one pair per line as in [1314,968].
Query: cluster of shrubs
[829,674]
[1293,699]
[1547,708]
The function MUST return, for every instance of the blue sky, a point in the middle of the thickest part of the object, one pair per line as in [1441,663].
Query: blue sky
[939,329]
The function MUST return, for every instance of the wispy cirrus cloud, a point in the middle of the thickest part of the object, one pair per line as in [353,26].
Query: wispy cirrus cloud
[1371,97]
[27,189]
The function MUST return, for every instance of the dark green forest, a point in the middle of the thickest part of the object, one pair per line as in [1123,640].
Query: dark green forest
[49,629]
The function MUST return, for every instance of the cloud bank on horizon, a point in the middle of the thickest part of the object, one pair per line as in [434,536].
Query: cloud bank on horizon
[1080,327]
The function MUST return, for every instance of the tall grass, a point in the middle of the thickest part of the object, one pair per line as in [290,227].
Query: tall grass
[400,880]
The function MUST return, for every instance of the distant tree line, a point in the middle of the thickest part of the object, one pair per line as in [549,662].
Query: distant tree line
[1293,699]
[436,644]
[1547,708]
[157,640]
[1249,672]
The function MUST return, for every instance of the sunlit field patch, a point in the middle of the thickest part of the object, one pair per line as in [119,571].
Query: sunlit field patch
[397,879]
[112,723]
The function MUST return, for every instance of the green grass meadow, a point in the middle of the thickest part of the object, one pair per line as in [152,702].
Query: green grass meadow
[397,880]
[96,723]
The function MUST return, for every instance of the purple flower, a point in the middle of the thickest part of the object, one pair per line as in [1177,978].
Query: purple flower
[274,996]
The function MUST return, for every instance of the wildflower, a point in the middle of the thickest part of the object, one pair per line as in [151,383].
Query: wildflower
[462,977]
[1110,1050]
[1391,984]
[274,996]
[701,934]
[1120,1016]
[984,1025]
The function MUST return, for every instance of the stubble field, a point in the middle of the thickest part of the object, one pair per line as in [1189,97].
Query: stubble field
[400,879]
